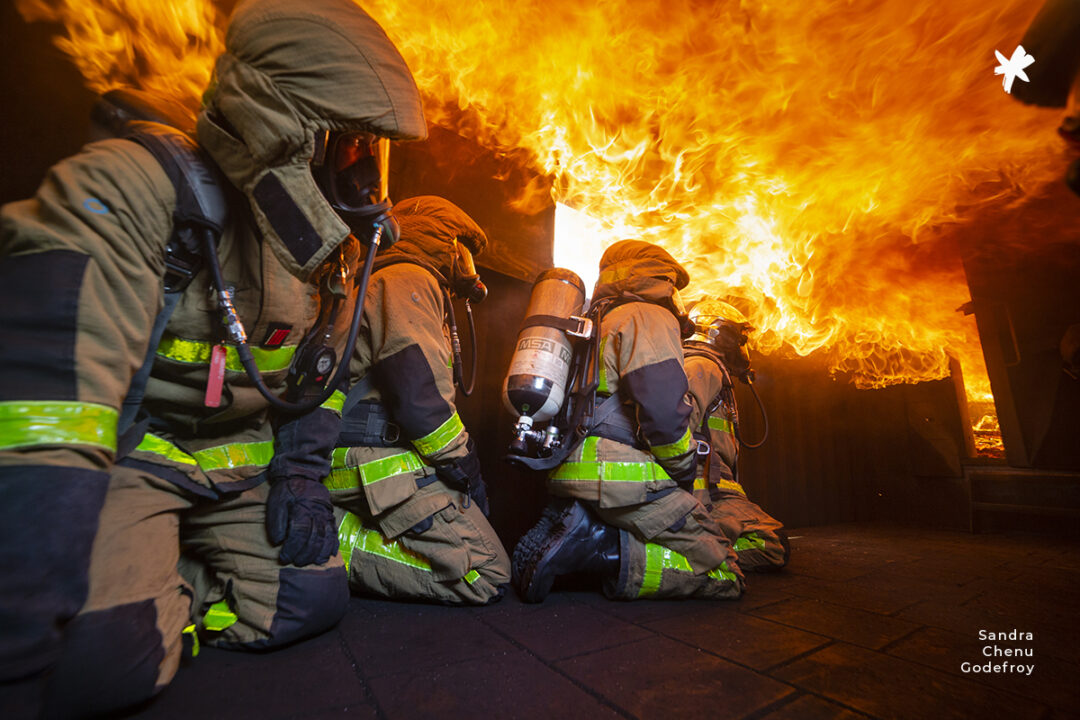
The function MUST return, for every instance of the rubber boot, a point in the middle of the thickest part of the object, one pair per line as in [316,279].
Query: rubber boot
[568,539]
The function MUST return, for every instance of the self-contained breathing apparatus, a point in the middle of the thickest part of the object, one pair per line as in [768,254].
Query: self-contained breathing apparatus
[555,372]
[720,334]
[344,167]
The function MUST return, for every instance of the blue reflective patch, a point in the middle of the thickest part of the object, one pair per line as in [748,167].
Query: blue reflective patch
[95,206]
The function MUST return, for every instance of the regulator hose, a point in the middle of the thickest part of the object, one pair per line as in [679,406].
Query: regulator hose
[239,336]
[764,417]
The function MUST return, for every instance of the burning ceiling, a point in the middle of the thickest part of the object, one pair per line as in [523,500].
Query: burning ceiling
[813,160]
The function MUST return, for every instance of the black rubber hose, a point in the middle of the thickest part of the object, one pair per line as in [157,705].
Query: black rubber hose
[764,417]
[475,359]
[248,360]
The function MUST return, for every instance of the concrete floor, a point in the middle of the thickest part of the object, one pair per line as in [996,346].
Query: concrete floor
[868,621]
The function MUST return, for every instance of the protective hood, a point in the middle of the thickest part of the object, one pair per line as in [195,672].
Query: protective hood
[429,226]
[639,270]
[289,70]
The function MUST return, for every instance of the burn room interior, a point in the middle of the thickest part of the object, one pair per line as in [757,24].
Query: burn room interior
[922,506]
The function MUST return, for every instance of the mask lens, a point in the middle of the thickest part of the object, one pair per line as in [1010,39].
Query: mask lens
[466,266]
[350,149]
[356,181]
[467,282]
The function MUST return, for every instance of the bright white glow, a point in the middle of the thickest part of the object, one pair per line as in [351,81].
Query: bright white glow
[579,242]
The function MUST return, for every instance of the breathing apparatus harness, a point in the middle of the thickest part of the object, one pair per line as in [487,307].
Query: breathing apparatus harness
[466,286]
[727,393]
[580,414]
[199,218]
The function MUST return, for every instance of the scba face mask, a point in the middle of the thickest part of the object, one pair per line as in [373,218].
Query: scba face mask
[350,169]
[466,281]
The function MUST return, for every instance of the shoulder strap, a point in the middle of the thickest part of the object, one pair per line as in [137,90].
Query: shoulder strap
[200,205]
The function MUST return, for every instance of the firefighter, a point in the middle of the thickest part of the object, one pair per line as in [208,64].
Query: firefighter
[624,507]
[406,479]
[298,98]
[716,351]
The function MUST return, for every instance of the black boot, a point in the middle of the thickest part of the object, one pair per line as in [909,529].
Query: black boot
[566,540]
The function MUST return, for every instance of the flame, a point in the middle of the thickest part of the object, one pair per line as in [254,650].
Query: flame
[811,159]
[816,161]
[165,48]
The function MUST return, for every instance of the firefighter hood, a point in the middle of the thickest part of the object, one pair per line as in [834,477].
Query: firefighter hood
[429,228]
[291,71]
[638,270]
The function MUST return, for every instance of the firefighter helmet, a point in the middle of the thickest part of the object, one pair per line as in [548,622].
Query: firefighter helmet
[723,329]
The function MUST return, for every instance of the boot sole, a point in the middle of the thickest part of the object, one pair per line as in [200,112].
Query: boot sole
[544,537]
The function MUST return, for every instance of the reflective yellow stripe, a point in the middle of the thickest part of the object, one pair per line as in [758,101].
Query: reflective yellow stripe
[588,449]
[659,558]
[164,448]
[723,574]
[442,436]
[601,386]
[679,447]
[347,478]
[236,455]
[190,630]
[608,471]
[700,484]
[347,532]
[721,424]
[222,457]
[198,352]
[29,423]
[749,541]
[352,535]
[335,403]
[730,485]
[219,617]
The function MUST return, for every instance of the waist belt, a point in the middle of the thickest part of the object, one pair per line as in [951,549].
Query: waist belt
[368,424]
[620,426]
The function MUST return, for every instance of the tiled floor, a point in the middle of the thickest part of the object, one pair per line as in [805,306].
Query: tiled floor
[868,621]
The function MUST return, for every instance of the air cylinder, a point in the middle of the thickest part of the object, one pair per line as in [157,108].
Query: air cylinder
[536,381]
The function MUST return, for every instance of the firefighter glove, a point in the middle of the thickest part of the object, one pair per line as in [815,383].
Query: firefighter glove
[299,514]
[464,474]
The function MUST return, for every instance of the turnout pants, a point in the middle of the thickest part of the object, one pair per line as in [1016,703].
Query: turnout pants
[166,564]
[754,533]
[671,548]
[430,547]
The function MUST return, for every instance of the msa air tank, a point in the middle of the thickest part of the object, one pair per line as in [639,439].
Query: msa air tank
[536,381]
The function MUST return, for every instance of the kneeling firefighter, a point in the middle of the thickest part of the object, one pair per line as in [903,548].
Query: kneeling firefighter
[624,508]
[411,502]
[716,351]
[149,468]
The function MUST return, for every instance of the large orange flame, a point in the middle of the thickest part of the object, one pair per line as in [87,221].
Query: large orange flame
[165,47]
[810,158]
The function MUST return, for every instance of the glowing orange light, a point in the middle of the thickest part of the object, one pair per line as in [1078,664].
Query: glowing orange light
[815,159]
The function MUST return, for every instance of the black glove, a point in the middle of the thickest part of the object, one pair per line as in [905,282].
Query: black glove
[464,474]
[298,513]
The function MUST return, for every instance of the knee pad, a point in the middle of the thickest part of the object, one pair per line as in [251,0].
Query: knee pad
[110,661]
[309,602]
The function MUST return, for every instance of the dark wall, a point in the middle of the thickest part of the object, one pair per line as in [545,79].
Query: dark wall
[46,109]
[835,453]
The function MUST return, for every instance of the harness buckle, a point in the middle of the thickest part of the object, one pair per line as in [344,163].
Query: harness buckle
[391,433]
[703,448]
[584,328]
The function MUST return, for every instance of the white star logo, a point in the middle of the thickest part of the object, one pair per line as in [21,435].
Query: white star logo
[1013,67]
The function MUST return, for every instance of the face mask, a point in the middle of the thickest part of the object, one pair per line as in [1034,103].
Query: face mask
[466,281]
[350,169]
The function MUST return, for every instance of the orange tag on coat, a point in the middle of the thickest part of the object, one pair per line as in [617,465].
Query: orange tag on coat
[217,377]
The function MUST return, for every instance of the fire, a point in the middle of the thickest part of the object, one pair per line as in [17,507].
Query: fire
[166,48]
[817,161]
